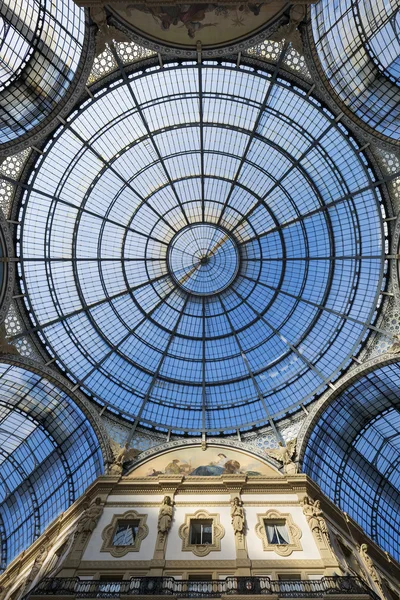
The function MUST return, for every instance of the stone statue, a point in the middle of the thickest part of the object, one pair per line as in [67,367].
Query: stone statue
[106,33]
[312,520]
[285,454]
[89,519]
[322,523]
[237,516]
[121,456]
[395,347]
[290,32]
[372,572]
[315,518]
[165,516]
[36,567]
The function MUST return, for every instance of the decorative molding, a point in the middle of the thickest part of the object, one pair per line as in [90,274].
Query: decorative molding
[218,533]
[109,532]
[293,530]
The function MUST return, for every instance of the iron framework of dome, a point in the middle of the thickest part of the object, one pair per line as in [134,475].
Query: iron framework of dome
[49,454]
[357,53]
[352,452]
[206,258]
[44,57]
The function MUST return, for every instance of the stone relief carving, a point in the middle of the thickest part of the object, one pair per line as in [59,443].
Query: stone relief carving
[88,520]
[315,518]
[370,567]
[121,455]
[285,454]
[36,568]
[237,516]
[165,516]
[290,32]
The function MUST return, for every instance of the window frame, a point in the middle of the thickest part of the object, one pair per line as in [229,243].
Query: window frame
[293,530]
[217,533]
[110,531]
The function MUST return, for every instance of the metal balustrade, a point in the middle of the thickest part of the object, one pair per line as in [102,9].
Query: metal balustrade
[169,586]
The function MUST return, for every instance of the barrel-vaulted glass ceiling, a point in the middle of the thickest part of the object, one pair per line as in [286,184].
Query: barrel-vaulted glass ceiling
[49,454]
[41,45]
[358,44]
[353,454]
[201,246]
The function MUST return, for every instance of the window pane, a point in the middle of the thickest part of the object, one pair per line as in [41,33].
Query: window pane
[276,532]
[126,532]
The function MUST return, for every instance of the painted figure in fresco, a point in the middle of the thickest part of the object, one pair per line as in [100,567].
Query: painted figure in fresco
[220,466]
[173,467]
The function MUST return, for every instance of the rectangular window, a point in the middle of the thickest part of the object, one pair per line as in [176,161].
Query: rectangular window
[276,532]
[201,531]
[125,533]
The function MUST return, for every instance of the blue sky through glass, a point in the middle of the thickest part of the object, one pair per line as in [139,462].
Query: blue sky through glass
[229,148]
[353,454]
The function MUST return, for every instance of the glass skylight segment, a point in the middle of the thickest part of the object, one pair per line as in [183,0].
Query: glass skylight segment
[350,454]
[45,464]
[200,240]
[358,45]
[39,56]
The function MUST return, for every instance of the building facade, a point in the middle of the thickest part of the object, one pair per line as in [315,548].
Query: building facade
[199,299]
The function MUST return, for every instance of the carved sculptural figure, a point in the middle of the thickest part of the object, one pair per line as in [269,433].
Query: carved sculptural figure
[121,456]
[237,516]
[370,565]
[395,347]
[36,567]
[165,516]
[308,511]
[315,518]
[89,519]
[285,455]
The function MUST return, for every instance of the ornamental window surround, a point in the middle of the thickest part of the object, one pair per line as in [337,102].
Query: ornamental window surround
[201,533]
[124,534]
[278,532]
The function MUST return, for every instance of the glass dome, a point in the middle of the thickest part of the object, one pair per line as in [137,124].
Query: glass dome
[49,454]
[40,54]
[358,46]
[202,247]
[353,454]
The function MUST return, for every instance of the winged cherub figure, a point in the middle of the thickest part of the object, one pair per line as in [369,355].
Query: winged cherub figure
[122,455]
[285,455]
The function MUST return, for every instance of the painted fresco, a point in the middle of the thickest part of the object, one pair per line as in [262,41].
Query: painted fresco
[212,462]
[211,24]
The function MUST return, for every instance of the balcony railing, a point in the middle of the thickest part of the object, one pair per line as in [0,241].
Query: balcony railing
[168,586]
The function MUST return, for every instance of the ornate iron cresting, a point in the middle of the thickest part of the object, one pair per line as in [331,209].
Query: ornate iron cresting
[168,586]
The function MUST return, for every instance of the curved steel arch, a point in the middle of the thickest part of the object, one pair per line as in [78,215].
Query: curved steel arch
[51,424]
[350,73]
[333,448]
[29,111]
[330,203]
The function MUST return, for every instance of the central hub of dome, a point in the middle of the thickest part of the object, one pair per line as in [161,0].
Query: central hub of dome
[203,259]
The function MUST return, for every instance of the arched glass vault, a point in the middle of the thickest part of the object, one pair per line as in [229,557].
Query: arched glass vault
[201,246]
[49,454]
[353,453]
[357,44]
[43,51]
